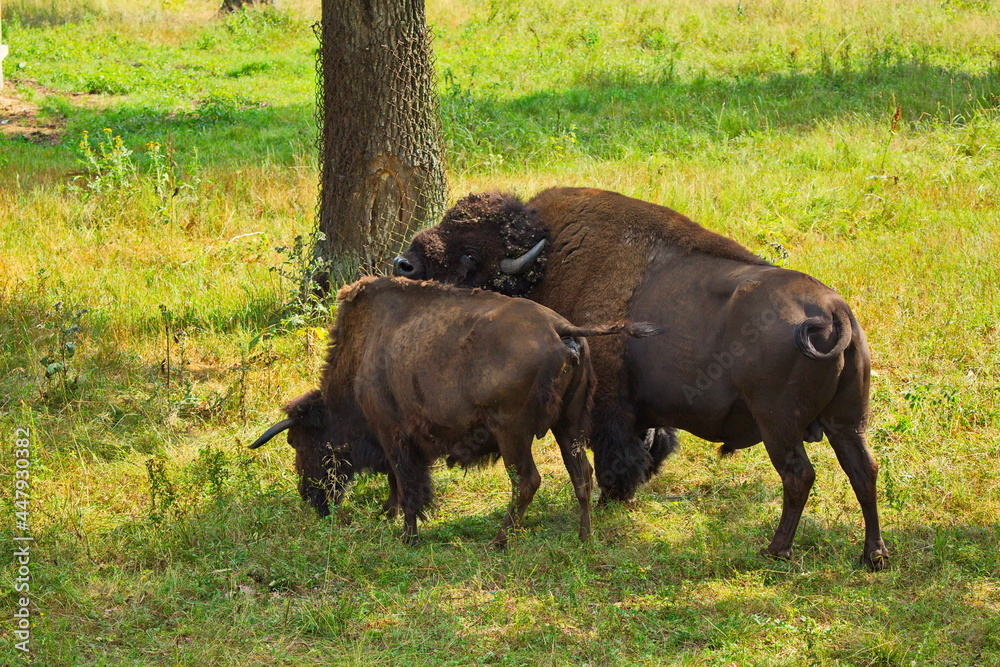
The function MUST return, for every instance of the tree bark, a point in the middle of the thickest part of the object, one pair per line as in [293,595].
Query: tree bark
[380,156]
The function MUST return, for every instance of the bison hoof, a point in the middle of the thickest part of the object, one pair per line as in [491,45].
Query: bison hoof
[876,561]
[607,498]
[777,554]
[390,511]
[499,542]
[411,540]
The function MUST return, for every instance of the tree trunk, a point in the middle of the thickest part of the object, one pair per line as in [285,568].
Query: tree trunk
[380,156]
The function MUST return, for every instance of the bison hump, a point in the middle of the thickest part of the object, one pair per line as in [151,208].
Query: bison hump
[611,220]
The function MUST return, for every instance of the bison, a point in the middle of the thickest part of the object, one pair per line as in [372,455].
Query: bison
[418,371]
[752,353]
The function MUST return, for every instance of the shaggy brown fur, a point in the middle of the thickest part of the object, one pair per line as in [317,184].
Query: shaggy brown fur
[477,258]
[420,371]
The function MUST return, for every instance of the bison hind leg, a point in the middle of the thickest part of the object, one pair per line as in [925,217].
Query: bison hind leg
[390,508]
[850,445]
[789,458]
[525,480]
[571,446]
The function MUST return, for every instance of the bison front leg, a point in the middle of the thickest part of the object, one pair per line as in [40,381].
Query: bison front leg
[525,480]
[413,487]
[789,458]
[390,508]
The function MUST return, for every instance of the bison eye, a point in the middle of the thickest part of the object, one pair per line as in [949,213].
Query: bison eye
[469,261]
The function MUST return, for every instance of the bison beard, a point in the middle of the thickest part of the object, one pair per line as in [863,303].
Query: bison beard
[752,352]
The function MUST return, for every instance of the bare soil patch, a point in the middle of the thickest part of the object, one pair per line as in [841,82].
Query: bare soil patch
[20,117]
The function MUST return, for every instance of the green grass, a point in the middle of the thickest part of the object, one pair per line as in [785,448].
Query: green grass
[160,540]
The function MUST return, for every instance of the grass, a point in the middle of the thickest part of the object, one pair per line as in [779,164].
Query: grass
[160,540]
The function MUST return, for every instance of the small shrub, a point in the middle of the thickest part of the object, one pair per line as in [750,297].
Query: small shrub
[211,470]
[300,267]
[564,143]
[103,83]
[657,40]
[206,41]
[113,177]
[62,341]
[589,37]
[162,497]
[109,165]
[163,180]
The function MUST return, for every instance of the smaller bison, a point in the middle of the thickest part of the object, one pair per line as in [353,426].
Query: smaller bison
[417,371]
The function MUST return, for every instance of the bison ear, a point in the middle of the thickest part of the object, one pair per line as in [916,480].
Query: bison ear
[525,242]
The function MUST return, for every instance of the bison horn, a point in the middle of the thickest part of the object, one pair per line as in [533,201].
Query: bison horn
[519,265]
[271,432]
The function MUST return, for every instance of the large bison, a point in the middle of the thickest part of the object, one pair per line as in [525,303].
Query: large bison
[418,371]
[752,351]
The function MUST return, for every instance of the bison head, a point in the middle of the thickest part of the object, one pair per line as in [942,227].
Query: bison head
[492,241]
[322,452]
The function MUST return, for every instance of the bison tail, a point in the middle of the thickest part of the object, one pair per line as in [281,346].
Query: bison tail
[631,329]
[841,321]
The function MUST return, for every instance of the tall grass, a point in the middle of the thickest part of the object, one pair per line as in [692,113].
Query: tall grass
[161,540]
